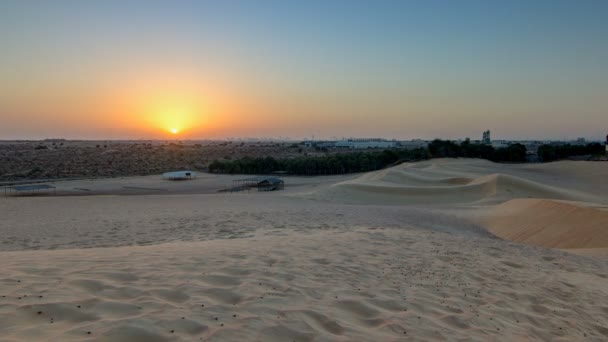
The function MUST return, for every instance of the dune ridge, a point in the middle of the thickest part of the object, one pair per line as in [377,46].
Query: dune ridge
[407,185]
[538,204]
[549,223]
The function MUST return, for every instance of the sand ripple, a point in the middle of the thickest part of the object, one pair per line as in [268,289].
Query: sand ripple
[367,286]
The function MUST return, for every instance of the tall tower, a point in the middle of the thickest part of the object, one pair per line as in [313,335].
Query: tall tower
[485,138]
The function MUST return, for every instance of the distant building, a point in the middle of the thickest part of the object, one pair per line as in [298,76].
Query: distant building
[606,144]
[416,143]
[353,143]
[500,143]
[366,143]
[485,138]
[325,144]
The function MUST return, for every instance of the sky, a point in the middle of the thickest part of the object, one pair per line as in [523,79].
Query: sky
[217,69]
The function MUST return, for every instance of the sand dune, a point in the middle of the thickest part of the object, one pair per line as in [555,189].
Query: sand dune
[549,224]
[364,285]
[454,182]
[527,202]
[398,254]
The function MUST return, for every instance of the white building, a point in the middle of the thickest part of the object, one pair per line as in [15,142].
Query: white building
[416,143]
[366,143]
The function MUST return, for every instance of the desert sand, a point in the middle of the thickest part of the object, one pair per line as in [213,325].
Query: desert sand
[59,159]
[447,249]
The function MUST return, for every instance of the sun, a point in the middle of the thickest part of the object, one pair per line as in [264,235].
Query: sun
[171,115]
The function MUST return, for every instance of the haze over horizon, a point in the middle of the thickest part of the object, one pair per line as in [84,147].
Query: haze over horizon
[394,69]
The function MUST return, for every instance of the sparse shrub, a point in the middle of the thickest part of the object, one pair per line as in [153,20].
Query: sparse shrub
[36,172]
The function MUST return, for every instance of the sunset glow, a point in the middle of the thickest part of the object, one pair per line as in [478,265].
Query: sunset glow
[158,109]
[218,70]
[157,157]
[176,118]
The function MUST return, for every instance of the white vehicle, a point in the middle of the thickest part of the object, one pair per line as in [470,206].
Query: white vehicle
[179,175]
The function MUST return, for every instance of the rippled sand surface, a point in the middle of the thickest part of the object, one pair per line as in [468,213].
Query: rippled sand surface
[438,250]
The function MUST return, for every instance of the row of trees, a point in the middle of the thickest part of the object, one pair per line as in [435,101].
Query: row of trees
[334,164]
[547,153]
[514,153]
[320,165]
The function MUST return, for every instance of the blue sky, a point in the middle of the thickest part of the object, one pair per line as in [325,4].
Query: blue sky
[403,69]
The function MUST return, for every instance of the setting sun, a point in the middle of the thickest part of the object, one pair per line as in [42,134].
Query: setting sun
[172,112]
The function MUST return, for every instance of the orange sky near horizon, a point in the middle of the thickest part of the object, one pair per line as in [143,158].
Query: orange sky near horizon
[214,70]
[148,104]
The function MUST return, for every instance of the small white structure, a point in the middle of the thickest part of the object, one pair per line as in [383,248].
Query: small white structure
[179,175]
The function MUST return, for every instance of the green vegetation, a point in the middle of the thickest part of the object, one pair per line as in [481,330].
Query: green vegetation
[320,165]
[515,153]
[334,164]
[547,153]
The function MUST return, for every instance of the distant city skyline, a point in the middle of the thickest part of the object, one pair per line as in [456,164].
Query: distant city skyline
[390,69]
